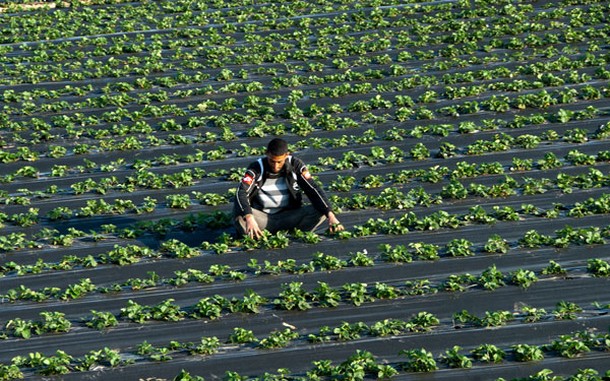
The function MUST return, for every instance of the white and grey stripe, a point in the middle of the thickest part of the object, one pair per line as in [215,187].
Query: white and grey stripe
[274,195]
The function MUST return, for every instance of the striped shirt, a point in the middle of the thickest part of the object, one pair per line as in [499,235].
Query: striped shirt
[274,196]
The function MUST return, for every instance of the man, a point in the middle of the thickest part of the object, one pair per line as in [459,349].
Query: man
[269,196]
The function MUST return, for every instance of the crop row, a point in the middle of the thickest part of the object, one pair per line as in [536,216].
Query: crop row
[350,159]
[500,142]
[492,278]
[353,17]
[126,255]
[263,108]
[421,322]
[358,366]
[388,199]
[330,123]
[341,45]
[363,364]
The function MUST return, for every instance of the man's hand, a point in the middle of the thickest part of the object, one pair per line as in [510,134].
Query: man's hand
[334,225]
[252,229]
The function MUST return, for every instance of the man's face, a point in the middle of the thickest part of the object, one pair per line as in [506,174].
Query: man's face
[276,163]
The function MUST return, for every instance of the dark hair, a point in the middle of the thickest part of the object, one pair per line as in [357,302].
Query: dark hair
[277,147]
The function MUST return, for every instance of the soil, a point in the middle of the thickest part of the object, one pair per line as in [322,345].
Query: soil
[579,286]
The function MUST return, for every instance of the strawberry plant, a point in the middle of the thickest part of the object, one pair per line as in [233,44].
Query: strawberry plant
[356,292]
[292,297]
[207,346]
[278,339]
[210,307]
[554,268]
[488,353]
[598,267]
[459,247]
[526,353]
[419,360]
[424,251]
[569,346]
[491,278]
[496,244]
[242,336]
[523,278]
[454,359]
[350,331]
[101,320]
[566,310]
[325,295]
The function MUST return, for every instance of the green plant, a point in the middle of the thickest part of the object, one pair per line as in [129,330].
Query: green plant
[328,262]
[210,307]
[357,293]
[166,310]
[101,320]
[292,297]
[566,310]
[532,314]
[454,359]
[419,360]
[488,353]
[424,251]
[325,295]
[569,346]
[496,244]
[250,303]
[10,372]
[136,312]
[423,321]
[526,352]
[598,267]
[395,254]
[207,346]
[523,278]
[491,278]
[278,339]
[495,318]
[361,258]
[242,336]
[459,247]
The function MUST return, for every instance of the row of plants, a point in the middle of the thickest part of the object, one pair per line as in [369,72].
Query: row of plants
[126,255]
[356,17]
[577,135]
[258,108]
[572,136]
[389,198]
[348,45]
[23,153]
[393,225]
[358,366]
[350,159]
[293,296]
[321,262]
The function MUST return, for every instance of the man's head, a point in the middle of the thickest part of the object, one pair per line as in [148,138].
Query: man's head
[277,152]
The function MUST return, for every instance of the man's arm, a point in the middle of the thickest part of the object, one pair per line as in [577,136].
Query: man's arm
[244,189]
[316,195]
[242,201]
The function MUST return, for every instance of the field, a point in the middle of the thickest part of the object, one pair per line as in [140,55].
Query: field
[464,144]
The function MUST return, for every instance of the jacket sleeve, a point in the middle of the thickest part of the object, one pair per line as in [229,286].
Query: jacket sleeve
[246,186]
[315,194]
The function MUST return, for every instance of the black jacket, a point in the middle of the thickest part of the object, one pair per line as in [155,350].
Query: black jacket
[297,177]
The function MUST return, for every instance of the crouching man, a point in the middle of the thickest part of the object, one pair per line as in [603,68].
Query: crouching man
[270,196]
